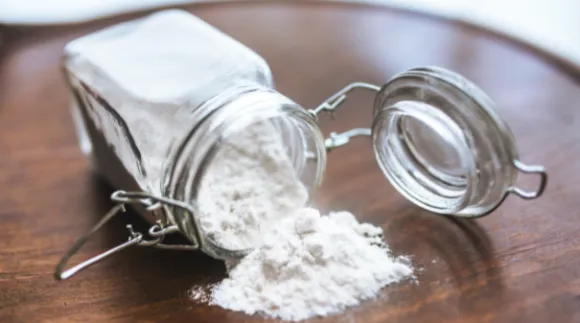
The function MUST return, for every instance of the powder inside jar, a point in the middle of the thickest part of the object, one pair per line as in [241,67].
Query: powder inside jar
[249,188]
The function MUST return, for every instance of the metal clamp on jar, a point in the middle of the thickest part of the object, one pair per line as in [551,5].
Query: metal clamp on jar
[154,129]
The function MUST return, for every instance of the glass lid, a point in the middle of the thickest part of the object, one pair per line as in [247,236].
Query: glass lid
[440,141]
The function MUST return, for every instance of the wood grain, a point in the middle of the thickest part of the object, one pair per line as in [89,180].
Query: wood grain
[520,264]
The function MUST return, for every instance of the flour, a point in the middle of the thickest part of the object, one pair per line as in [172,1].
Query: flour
[249,188]
[311,265]
[199,294]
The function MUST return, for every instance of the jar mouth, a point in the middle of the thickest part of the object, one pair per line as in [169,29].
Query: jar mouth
[296,130]
[423,153]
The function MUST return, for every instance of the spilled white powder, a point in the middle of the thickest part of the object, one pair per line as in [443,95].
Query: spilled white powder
[310,265]
[199,294]
[304,264]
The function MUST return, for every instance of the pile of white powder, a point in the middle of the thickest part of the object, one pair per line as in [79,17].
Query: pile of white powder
[311,265]
[303,264]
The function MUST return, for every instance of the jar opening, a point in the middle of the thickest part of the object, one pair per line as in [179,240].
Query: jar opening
[258,140]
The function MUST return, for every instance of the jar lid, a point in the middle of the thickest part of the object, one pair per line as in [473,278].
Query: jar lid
[440,141]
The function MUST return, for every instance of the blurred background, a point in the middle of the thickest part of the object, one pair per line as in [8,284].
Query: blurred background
[549,24]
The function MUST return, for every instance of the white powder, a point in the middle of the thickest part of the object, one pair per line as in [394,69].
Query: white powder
[310,265]
[199,294]
[304,264]
[249,188]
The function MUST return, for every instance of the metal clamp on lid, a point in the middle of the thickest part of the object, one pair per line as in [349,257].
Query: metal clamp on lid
[334,102]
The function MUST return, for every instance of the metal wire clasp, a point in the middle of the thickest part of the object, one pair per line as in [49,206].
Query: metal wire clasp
[158,231]
[332,103]
[530,169]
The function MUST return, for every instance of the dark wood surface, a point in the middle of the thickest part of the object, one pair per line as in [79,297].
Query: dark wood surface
[520,264]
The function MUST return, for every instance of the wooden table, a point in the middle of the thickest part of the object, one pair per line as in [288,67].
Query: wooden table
[520,264]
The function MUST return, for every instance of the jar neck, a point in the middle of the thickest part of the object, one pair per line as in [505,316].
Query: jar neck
[227,115]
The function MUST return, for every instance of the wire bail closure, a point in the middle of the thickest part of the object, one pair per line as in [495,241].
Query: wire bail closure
[157,231]
[530,169]
[334,102]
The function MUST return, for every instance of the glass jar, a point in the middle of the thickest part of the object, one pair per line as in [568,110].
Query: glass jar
[155,99]
[138,94]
